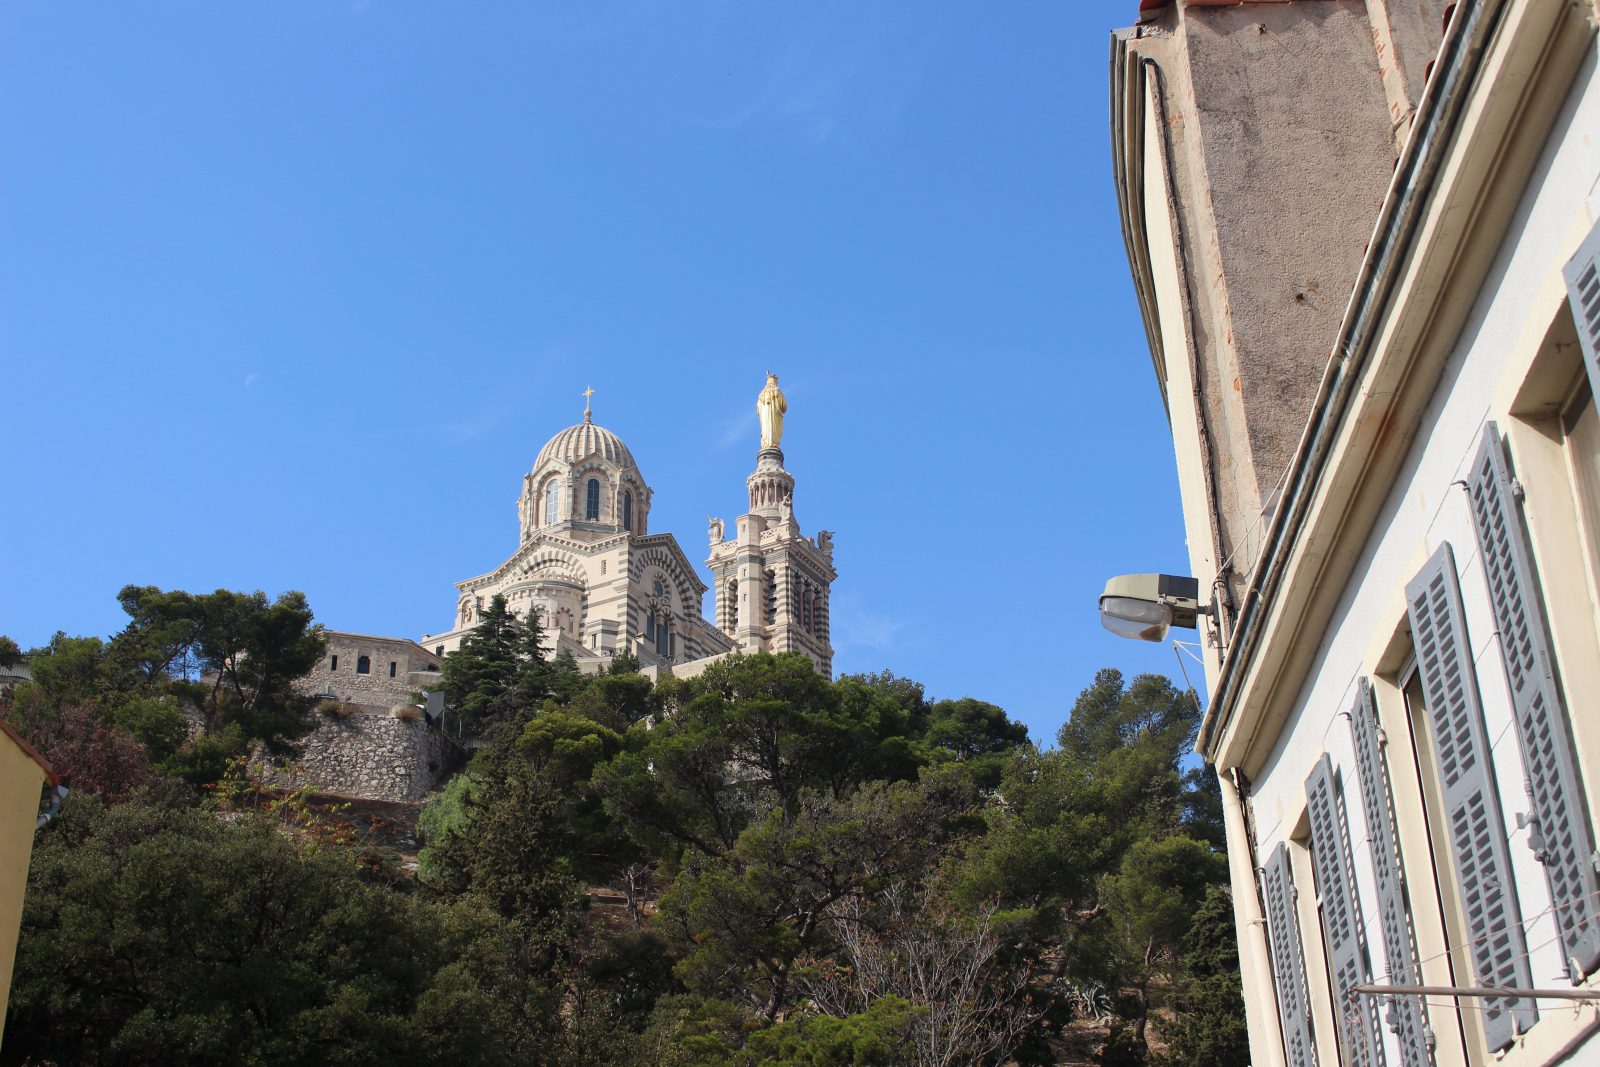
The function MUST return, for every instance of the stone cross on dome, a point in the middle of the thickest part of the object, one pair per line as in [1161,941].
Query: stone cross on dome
[588,391]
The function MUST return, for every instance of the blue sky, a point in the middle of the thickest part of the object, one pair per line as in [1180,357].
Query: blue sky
[291,294]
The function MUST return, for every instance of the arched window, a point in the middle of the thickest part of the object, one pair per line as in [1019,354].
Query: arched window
[552,503]
[627,509]
[650,626]
[591,509]
[363,665]
[664,639]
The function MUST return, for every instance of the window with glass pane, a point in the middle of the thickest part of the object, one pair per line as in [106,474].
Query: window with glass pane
[591,508]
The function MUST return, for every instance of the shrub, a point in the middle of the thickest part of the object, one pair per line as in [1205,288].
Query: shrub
[89,753]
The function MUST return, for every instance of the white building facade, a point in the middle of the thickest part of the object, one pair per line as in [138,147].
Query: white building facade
[1405,675]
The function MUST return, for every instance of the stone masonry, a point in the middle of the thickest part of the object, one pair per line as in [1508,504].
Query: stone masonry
[371,755]
[365,750]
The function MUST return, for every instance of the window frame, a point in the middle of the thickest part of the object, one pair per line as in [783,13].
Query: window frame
[552,502]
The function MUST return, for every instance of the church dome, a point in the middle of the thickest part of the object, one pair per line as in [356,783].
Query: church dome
[583,440]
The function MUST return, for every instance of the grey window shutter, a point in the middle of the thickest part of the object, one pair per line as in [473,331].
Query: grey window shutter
[1406,1013]
[1560,833]
[1583,289]
[1360,1038]
[1478,845]
[1288,961]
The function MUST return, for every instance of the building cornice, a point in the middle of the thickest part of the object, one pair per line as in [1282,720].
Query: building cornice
[1127,165]
[379,638]
[545,540]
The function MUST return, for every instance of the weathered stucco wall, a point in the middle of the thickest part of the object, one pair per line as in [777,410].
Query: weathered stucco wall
[1294,129]
[1407,33]
[371,755]
[1275,125]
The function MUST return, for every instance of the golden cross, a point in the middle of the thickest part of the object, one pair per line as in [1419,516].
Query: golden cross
[588,391]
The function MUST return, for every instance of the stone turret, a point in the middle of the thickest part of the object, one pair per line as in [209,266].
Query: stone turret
[772,582]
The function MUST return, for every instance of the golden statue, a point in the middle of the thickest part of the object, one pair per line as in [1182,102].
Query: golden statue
[770,406]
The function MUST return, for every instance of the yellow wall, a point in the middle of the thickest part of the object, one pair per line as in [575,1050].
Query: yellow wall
[20,782]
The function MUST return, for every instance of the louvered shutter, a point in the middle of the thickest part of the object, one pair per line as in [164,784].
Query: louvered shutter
[1360,1038]
[1478,844]
[1288,962]
[1583,289]
[1405,1014]
[1560,834]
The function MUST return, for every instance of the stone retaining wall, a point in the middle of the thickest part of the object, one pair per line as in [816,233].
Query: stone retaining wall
[371,755]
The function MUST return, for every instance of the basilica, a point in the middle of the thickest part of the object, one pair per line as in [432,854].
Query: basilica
[605,584]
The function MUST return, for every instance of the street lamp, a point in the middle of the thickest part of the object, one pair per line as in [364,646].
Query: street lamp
[1143,607]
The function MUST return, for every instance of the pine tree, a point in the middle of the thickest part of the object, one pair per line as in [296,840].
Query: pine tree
[479,675]
[533,671]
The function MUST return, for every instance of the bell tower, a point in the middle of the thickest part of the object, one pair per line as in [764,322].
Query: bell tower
[772,582]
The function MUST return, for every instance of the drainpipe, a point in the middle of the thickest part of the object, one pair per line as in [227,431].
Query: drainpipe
[56,798]
[1255,961]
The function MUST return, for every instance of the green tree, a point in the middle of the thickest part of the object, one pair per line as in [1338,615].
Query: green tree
[874,1037]
[252,651]
[564,746]
[70,671]
[507,851]
[1107,839]
[975,733]
[480,675]
[1208,1026]
[446,812]
[533,675]
[163,631]
[566,680]
[750,733]
[1150,905]
[670,788]
[163,936]
[233,658]
[743,919]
